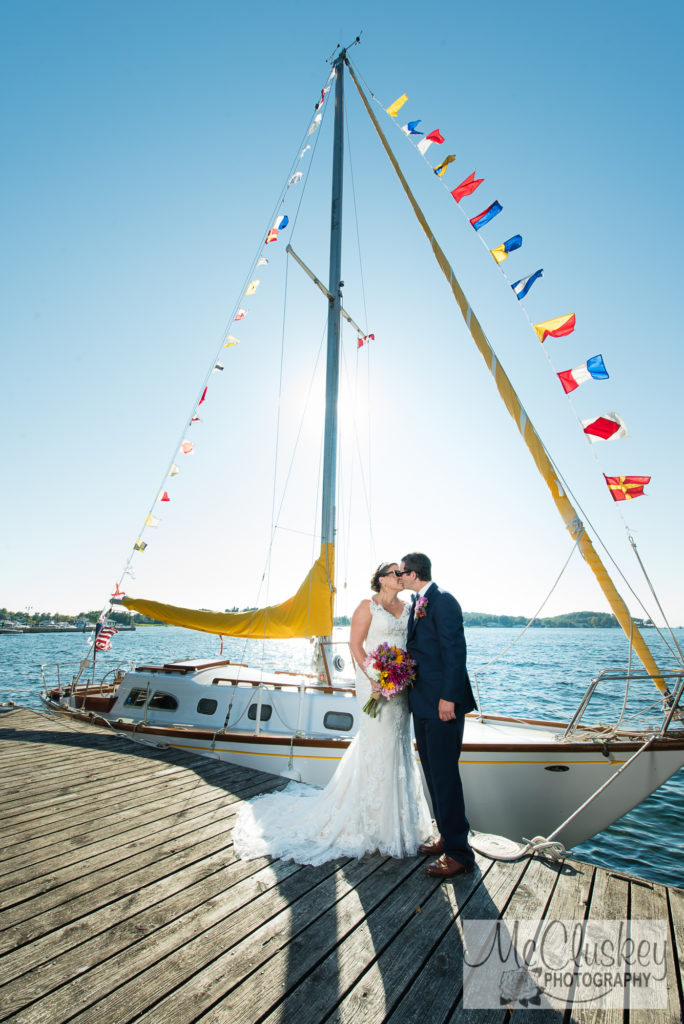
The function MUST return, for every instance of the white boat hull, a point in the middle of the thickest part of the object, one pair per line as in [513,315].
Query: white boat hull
[521,778]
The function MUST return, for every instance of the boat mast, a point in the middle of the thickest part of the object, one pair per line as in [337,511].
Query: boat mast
[334,320]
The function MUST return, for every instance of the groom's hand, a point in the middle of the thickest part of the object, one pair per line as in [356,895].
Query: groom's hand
[447,710]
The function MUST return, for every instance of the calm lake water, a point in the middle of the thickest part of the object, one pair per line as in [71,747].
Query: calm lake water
[544,675]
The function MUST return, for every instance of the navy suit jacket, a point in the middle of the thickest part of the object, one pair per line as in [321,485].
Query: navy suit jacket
[436,642]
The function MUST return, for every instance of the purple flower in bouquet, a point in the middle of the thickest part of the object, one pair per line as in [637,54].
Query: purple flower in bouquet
[421,607]
[392,670]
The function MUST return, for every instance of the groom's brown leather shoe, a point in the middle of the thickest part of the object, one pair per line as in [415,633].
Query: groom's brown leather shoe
[447,867]
[432,849]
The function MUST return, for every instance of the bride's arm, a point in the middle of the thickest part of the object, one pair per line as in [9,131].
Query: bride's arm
[360,624]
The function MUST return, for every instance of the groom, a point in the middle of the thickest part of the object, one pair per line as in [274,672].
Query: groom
[439,700]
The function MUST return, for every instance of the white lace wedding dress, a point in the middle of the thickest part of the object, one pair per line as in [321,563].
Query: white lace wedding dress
[375,799]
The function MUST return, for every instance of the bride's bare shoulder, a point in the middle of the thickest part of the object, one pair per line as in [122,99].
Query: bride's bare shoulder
[363,609]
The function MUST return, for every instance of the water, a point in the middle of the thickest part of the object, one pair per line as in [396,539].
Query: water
[543,676]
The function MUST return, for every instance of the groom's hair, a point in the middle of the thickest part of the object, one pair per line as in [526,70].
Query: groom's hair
[420,564]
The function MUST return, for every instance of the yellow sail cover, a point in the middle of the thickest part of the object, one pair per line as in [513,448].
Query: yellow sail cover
[308,613]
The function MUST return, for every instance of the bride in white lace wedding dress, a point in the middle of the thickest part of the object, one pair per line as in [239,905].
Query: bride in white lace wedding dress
[375,799]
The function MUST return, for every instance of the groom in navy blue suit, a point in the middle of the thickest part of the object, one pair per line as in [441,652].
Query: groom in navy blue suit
[439,699]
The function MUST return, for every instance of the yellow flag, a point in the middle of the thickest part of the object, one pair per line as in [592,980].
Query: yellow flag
[499,253]
[152,520]
[441,168]
[231,340]
[252,287]
[394,109]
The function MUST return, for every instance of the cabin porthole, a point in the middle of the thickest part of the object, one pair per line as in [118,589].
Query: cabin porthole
[206,706]
[556,768]
[340,721]
[266,712]
[136,698]
[163,702]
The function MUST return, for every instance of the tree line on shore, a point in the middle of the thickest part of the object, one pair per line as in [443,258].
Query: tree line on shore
[569,620]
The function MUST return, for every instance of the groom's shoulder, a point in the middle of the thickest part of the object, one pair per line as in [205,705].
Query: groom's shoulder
[445,597]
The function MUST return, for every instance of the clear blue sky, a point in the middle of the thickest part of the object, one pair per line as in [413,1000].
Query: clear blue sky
[145,146]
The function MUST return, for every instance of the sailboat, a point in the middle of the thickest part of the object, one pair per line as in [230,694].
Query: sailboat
[523,777]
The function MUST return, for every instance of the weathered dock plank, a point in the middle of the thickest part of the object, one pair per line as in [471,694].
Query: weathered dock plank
[123,902]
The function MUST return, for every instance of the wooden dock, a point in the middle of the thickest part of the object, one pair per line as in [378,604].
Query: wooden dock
[122,901]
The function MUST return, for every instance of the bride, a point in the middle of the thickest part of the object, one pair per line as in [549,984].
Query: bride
[375,799]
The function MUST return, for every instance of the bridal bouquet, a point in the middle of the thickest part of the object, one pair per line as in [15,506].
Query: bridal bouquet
[392,669]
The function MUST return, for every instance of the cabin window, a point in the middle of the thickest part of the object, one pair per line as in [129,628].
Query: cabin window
[136,698]
[340,721]
[206,706]
[163,702]
[266,712]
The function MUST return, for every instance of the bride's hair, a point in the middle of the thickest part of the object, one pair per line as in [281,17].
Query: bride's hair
[380,571]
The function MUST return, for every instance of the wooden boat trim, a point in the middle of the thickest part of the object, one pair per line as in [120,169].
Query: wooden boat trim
[605,747]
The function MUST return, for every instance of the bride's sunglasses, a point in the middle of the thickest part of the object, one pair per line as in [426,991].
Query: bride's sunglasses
[397,573]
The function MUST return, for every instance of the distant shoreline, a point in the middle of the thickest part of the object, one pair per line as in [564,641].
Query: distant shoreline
[571,620]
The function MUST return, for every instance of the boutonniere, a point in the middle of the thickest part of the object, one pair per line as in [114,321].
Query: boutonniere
[421,606]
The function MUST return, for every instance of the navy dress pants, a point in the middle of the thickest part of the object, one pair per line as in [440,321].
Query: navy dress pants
[439,747]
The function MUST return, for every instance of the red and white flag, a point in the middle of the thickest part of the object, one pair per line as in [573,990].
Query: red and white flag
[605,428]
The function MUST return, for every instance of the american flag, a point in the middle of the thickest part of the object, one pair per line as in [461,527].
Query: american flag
[103,637]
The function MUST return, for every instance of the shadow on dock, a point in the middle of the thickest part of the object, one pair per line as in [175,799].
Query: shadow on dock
[122,901]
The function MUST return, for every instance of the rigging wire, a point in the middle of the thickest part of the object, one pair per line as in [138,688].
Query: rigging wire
[514,641]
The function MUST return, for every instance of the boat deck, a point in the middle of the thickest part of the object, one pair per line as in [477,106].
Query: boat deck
[122,901]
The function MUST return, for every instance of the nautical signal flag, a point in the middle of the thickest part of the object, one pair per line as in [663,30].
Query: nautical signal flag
[164,496]
[231,340]
[486,215]
[440,169]
[174,471]
[314,124]
[204,395]
[522,287]
[278,225]
[118,593]
[152,521]
[252,286]
[425,143]
[366,338]
[593,369]
[322,99]
[502,251]
[262,262]
[296,178]
[395,107]
[241,313]
[623,488]
[605,428]
[187,447]
[558,328]
[411,128]
[139,545]
[467,187]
